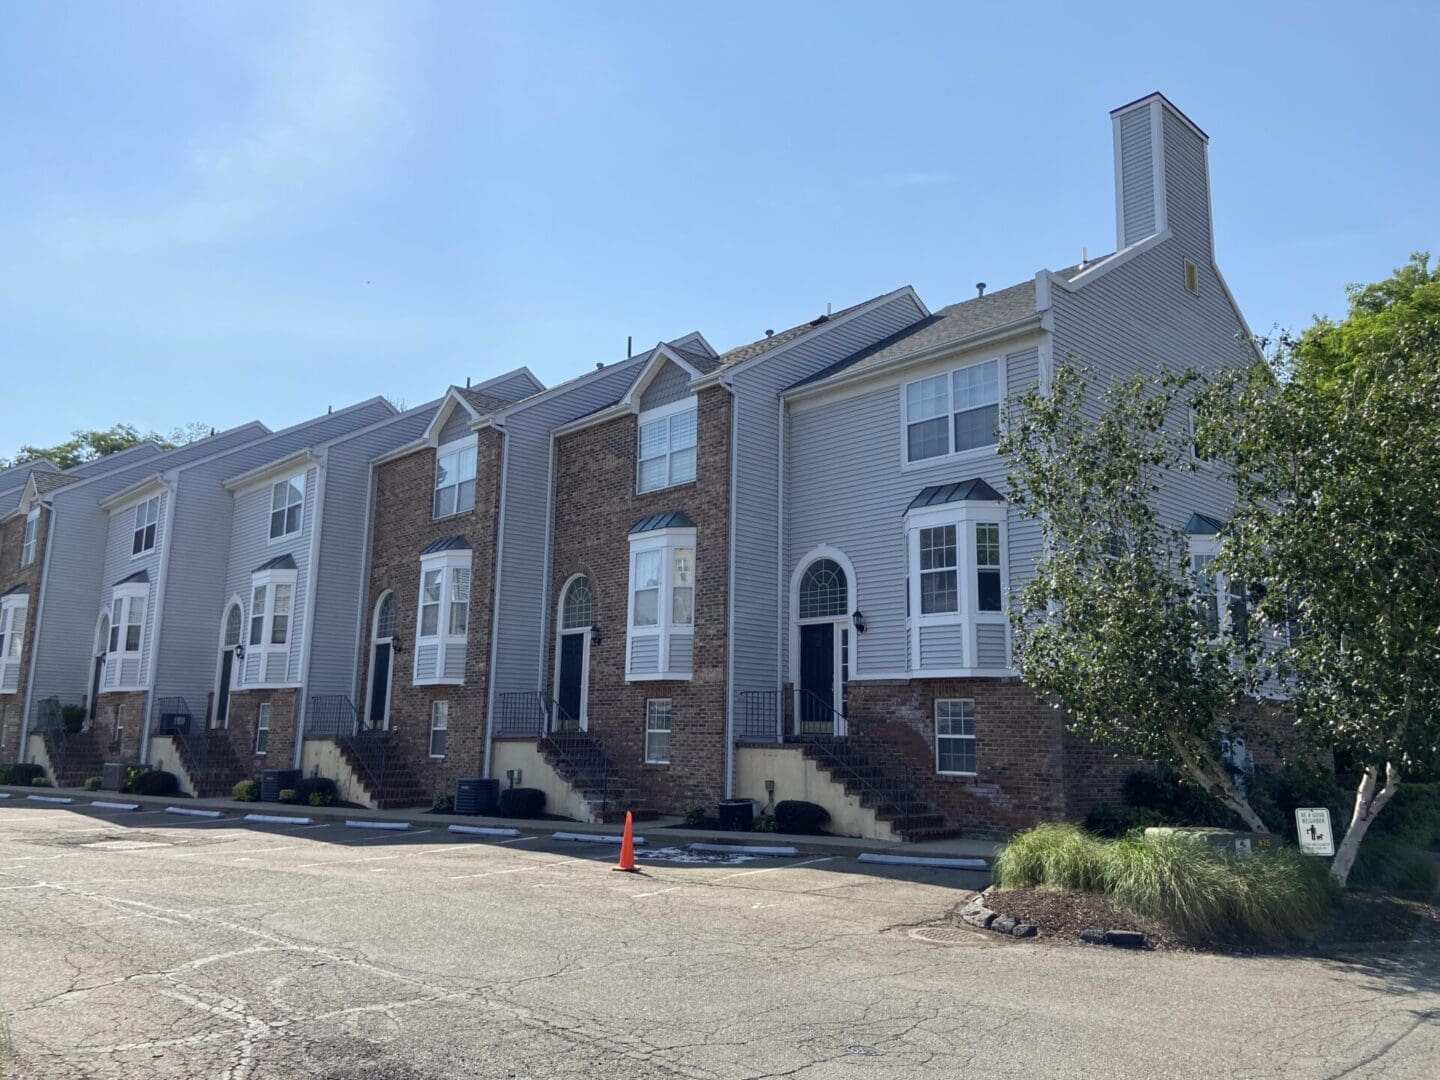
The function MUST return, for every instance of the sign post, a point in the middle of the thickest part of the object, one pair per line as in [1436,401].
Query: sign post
[1312,824]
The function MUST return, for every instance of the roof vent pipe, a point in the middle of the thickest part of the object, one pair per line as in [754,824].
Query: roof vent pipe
[979,289]
[629,346]
[769,333]
[467,382]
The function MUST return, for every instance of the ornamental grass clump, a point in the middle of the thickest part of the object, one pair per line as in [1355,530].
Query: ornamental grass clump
[1058,856]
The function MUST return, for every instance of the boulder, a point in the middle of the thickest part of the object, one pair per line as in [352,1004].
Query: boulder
[1005,924]
[1023,929]
[981,917]
[1093,935]
[1125,939]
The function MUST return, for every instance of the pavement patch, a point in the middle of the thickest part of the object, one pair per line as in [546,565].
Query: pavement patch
[690,857]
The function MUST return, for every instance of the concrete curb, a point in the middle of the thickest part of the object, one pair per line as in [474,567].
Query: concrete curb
[50,798]
[278,819]
[922,860]
[482,830]
[116,805]
[398,826]
[194,811]
[594,838]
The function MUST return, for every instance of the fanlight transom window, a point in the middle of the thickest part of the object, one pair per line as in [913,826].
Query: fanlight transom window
[576,611]
[232,626]
[824,592]
[385,618]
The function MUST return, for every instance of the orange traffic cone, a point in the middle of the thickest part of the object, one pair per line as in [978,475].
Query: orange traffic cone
[627,847]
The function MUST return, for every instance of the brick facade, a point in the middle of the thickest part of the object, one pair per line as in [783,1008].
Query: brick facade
[242,717]
[595,470]
[13,575]
[403,525]
[120,722]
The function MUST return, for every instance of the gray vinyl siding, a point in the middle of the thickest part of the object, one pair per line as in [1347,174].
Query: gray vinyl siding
[757,585]
[846,488]
[75,584]
[203,573]
[671,383]
[645,655]
[1187,187]
[1137,177]
[456,426]
[119,564]
[513,387]
[521,627]
[338,599]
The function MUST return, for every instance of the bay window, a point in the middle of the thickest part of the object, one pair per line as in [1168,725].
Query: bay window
[455,477]
[1220,598]
[13,610]
[666,446]
[123,669]
[287,501]
[272,603]
[443,621]
[660,638]
[958,581]
[953,412]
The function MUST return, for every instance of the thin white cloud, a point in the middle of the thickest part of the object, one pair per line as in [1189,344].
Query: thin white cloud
[324,96]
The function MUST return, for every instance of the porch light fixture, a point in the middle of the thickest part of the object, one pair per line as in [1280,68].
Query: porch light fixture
[239,652]
[859,620]
[396,645]
[595,638]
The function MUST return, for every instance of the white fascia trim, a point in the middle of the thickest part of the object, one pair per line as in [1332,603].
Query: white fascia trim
[920,675]
[1157,165]
[136,493]
[300,461]
[1019,328]
[671,408]
[1235,307]
[838,320]
[22,751]
[660,538]
[658,356]
[1103,266]
[610,412]
[459,557]
[436,682]
[498,418]
[448,404]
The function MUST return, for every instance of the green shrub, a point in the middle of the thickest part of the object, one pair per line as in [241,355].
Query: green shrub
[20,773]
[694,816]
[155,782]
[246,791]
[1165,790]
[93,783]
[1389,863]
[40,781]
[1276,795]
[287,795]
[1412,816]
[72,718]
[1060,856]
[443,801]
[313,787]
[521,802]
[800,817]
[132,778]
[764,823]
[1196,891]
[1116,821]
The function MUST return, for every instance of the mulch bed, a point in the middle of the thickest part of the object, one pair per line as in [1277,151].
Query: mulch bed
[1366,918]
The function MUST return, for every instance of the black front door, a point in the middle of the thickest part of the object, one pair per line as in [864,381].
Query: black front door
[222,699]
[817,679]
[379,686]
[572,680]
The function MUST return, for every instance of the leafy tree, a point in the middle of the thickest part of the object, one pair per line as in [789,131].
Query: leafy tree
[85,446]
[1334,447]
[1111,625]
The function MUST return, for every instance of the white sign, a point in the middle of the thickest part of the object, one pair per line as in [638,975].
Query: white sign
[1312,823]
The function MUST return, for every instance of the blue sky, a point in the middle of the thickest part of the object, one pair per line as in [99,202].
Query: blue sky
[223,211]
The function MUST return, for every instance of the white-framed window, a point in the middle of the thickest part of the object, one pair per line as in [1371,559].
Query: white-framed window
[272,612]
[439,727]
[959,580]
[147,514]
[661,623]
[27,545]
[666,446]
[128,604]
[657,731]
[443,621]
[953,412]
[1222,600]
[455,477]
[955,736]
[13,610]
[262,729]
[287,501]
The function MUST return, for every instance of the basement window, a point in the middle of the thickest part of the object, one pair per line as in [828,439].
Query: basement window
[439,727]
[657,731]
[262,729]
[955,736]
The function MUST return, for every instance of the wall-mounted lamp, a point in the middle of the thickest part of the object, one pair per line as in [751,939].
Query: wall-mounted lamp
[859,620]
[595,638]
[396,645]
[239,652]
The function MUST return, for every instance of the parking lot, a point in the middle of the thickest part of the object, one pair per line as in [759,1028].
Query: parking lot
[139,944]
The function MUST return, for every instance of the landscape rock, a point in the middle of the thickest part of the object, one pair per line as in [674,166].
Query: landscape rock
[1005,924]
[1125,939]
[981,917]
[1023,929]
[1093,935]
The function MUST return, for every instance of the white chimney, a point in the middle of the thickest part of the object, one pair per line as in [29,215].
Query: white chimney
[1162,175]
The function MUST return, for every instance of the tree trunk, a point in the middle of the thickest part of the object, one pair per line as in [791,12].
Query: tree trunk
[1368,803]
[1212,777]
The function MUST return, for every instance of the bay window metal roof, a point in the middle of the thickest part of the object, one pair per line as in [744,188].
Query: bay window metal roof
[446,543]
[671,519]
[975,490]
[280,562]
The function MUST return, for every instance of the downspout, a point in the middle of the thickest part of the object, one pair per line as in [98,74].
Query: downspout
[362,598]
[728,383]
[548,555]
[495,605]
[158,622]
[312,578]
[23,749]
[782,591]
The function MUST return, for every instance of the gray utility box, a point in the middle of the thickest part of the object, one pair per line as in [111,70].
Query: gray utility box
[1235,841]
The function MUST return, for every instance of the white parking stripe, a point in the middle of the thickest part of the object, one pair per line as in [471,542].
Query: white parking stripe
[773,869]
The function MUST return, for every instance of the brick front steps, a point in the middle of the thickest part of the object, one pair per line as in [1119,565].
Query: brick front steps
[580,760]
[76,757]
[378,762]
[217,772]
[871,772]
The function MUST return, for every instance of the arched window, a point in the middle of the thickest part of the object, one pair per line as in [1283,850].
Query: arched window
[824,592]
[232,626]
[575,611]
[102,634]
[385,618]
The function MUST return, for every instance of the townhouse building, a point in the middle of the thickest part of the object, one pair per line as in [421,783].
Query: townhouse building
[783,570]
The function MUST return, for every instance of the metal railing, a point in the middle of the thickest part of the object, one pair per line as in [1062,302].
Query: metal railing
[330,716]
[173,717]
[334,716]
[817,716]
[370,749]
[530,714]
[760,716]
[48,719]
[582,760]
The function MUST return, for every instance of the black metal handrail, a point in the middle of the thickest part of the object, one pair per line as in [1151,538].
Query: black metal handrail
[48,721]
[370,749]
[760,716]
[530,714]
[174,717]
[331,716]
[334,716]
[812,709]
[582,756]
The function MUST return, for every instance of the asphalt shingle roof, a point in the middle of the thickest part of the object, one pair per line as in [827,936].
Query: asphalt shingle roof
[483,403]
[773,341]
